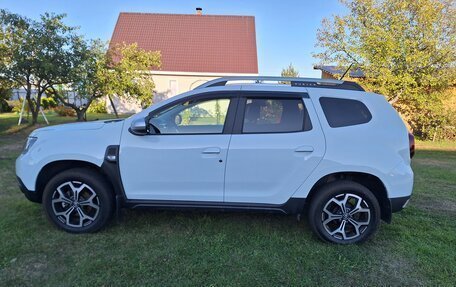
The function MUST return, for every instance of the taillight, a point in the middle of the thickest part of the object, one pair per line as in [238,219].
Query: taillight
[411,144]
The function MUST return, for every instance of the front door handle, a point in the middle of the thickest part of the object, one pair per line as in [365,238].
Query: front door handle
[304,148]
[212,150]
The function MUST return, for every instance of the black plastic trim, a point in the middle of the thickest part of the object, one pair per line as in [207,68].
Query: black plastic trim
[397,203]
[112,171]
[346,85]
[292,206]
[30,195]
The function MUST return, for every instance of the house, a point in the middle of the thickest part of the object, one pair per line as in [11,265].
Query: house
[194,48]
[335,72]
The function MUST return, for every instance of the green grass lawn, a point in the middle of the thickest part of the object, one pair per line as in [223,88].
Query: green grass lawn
[172,248]
[8,121]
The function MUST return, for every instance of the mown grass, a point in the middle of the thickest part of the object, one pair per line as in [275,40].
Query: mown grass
[9,121]
[158,248]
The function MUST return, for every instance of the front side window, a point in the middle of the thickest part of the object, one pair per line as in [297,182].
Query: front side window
[192,117]
[275,115]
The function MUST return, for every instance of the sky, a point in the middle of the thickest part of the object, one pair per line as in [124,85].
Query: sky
[286,30]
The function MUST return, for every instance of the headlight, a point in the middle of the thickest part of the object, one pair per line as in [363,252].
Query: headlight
[28,144]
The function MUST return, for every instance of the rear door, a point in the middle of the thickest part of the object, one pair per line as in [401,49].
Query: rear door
[277,142]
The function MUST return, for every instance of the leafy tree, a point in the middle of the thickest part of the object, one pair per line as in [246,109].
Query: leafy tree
[290,71]
[5,95]
[121,70]
[406,48]
[127,75]
[35,54]
[48,57]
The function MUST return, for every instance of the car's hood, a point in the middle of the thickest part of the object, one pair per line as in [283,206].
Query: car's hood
[95,125]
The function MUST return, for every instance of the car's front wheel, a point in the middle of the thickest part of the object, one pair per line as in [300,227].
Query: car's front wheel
[344,212]
[78,200]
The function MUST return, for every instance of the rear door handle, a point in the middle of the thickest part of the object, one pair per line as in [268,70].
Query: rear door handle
[304,148]
[212,150]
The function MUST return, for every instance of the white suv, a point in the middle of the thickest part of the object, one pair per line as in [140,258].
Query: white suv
[288,145]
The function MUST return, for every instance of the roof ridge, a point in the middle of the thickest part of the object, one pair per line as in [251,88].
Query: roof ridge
[177,14]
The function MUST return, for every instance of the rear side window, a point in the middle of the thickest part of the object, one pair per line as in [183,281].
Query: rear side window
[275,115]
[344,112]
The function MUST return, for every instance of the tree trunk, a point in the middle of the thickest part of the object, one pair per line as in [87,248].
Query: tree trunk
[113,106]
[34,105]
[30,102]
[81,115]
[36,112]
[394,100]
[34,116]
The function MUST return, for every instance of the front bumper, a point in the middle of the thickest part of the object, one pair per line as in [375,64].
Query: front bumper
[30,195]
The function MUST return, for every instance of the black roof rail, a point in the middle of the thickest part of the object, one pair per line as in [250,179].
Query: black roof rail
[294,82]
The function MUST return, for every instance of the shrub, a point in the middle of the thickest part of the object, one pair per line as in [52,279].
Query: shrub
[5,95]
[98,106]
[16,106]
[432,119]
[65,111]
[4,106]
[48,103]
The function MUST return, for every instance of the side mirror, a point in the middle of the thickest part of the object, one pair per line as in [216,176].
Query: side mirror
[138,127]
[178,119]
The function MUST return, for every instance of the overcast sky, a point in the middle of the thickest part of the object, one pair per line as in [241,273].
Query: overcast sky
[285,29]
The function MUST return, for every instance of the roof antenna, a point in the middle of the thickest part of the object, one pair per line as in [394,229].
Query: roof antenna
[346,71]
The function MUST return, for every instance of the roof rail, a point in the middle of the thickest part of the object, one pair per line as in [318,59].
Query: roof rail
[294,82]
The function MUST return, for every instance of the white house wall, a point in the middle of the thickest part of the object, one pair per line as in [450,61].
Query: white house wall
[168,84]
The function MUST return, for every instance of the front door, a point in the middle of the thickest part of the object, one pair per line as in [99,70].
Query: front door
[274,148]
[185,159]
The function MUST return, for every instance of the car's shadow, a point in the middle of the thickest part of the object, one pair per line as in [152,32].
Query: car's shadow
[139,218]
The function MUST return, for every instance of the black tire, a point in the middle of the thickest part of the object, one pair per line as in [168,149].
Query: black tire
[94,192]
[349,191]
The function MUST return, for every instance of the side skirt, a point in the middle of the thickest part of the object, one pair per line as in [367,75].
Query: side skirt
[292,206]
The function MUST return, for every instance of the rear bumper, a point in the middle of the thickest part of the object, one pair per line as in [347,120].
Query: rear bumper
[30,195]
[398,203]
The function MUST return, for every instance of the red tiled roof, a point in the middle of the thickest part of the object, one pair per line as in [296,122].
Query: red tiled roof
[193,43]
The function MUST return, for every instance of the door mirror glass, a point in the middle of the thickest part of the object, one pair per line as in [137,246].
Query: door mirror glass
[138,127]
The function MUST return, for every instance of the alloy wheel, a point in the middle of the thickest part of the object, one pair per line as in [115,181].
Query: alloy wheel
[75,204]
[346,216]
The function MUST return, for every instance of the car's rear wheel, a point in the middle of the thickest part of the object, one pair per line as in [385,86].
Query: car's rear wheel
[78,200]
[344,212]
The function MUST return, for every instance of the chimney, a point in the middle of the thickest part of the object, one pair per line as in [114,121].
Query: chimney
[199,11]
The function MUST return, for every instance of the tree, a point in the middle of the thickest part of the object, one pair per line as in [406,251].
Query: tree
[35,54]
[290,71]
[406,48]
[128,74]
[121,70]
[5,95]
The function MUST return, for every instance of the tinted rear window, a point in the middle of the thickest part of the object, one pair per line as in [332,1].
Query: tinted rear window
[344,112]
[275,115]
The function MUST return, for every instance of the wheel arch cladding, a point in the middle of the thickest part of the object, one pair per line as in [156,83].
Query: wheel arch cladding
[373,183]
[53,168]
